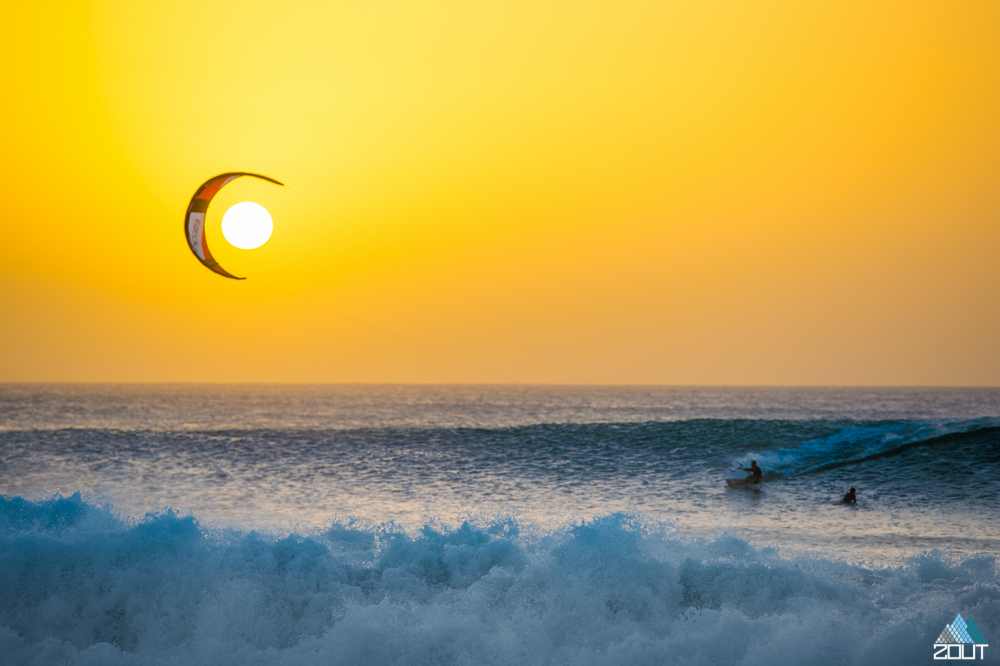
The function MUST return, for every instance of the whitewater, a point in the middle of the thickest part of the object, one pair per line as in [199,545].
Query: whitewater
[493,525]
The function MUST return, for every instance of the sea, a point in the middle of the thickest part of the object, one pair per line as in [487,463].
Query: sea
[515,525]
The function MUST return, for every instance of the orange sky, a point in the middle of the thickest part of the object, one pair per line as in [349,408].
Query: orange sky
[714,192]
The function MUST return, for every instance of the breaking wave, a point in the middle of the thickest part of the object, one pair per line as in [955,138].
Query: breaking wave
[855,444]
[81,585]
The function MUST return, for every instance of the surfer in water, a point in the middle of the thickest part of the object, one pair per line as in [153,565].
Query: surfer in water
[755,476]
[850,497]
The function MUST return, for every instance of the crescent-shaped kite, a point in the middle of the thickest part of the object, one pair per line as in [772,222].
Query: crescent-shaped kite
[194,219]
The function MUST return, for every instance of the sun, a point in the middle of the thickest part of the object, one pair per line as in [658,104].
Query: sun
[247,225]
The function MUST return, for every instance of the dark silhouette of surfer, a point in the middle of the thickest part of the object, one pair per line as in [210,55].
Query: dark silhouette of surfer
[850,497]
[755,476]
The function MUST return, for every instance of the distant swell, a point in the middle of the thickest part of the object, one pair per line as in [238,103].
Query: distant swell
[80,586]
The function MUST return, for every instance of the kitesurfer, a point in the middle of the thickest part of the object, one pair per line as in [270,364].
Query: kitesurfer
[850,497]
[755,476]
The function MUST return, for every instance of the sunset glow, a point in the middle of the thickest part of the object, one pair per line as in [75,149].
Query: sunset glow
[569,192]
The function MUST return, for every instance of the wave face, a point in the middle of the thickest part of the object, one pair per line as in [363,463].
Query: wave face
[79,585]
[923,485]
[860,443]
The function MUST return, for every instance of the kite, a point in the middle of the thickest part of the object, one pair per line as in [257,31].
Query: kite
[194,219]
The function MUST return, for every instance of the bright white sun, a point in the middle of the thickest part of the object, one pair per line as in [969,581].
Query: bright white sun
[247,225]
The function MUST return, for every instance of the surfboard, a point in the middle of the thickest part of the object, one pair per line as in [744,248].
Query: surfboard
[739,483]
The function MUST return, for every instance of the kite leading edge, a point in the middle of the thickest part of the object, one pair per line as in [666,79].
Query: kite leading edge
[194,219]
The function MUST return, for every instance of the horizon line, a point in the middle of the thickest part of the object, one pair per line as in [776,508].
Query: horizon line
[491,384]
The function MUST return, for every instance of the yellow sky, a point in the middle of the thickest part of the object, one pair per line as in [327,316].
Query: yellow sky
[711,192]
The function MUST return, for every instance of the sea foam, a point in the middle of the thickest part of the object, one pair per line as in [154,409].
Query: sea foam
[80,585]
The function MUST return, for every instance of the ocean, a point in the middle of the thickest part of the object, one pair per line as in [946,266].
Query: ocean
[360,524]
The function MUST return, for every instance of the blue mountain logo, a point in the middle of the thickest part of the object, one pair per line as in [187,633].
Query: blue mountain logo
[957,635]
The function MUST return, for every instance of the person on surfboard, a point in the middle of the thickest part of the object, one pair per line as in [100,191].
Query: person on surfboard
[755,476]
[850,497]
